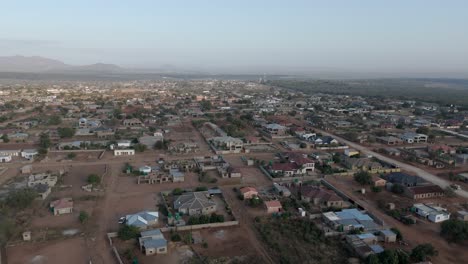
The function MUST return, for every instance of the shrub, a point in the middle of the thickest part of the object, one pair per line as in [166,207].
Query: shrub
[177,191]
[423,251]
[176,237]
[363,177]
[21,199]
[71,155]
[83,217]
[201,189]
[127,232]
[94,179]
[397,188]
[376,189]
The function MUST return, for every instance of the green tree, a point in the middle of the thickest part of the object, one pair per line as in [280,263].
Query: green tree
[21,199]
[454,230]
[423,251]
[205,105]
[363,177]
[397,188]
[54,120]
[71,155]
[44,141]
[127,232]
[66,132]
[94,179]
[139,147]
[83,217]
[5,138]
[177,191]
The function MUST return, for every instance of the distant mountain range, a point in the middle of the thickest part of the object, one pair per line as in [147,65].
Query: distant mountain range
[38,64]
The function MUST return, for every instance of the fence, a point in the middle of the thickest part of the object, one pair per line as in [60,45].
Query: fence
[202,226]
[287,179]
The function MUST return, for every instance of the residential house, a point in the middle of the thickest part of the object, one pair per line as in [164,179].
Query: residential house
[433,213]
[42,178]
[5,158]
[325,140]
[275,130]
[62,206]
[29,153]
[281,190]
[378,182]
[273,206]
[152,242]
[150,141]
[124,152]
[195,203]
[411,137]
[390,140]
[143,219]
[321,197]
[350,219]
[177,175]
[132,122]
[404,179]
[387,236]
[227,144]
[423,192]
[248,192]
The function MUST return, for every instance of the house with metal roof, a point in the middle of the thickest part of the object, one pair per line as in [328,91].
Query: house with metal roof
[152,242]
[195,203]
[143,219]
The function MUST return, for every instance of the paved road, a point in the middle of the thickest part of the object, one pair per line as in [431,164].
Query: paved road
[404,166]
[452,133]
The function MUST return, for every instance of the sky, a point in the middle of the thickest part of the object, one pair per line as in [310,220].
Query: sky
[395,36]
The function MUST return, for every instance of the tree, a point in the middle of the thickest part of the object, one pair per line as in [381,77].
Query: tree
[66,132]
[201,189]
[83,217]
[5,138]
[127,232]
[395,230]
[162,144]
[54,120]
[397,188]
[205,105]
[71,155]
[177,191]
[21,199]
[94,179]
[363,177]
[423,130]
[139,147]
[336,158]
[44,141]
[454,230]
[423,251]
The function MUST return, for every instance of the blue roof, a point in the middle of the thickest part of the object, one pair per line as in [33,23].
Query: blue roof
[155,243]
[376,249]
[153,232]
[366,235]
[353,214]
[387,232]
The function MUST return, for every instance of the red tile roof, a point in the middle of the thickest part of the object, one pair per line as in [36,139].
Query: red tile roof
[273,204]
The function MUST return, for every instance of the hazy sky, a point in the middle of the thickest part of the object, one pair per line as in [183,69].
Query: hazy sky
[360,35]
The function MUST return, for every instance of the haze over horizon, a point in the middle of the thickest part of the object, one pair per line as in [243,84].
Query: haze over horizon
[397,37]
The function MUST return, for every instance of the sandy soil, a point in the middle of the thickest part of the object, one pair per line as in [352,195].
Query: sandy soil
[70,251]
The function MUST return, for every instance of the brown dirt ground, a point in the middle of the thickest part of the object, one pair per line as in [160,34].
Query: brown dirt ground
[70,251]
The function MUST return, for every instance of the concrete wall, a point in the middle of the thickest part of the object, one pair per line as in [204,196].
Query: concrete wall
[202,226]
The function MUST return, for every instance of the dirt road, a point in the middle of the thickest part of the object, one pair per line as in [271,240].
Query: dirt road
[404,166]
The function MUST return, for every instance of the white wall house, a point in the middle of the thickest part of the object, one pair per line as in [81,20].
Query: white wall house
[124,152]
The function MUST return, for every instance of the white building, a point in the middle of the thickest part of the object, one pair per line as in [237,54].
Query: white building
[124,152]
[5,158]
[433,213]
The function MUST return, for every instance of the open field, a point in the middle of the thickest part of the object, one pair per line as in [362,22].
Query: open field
[72,251]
